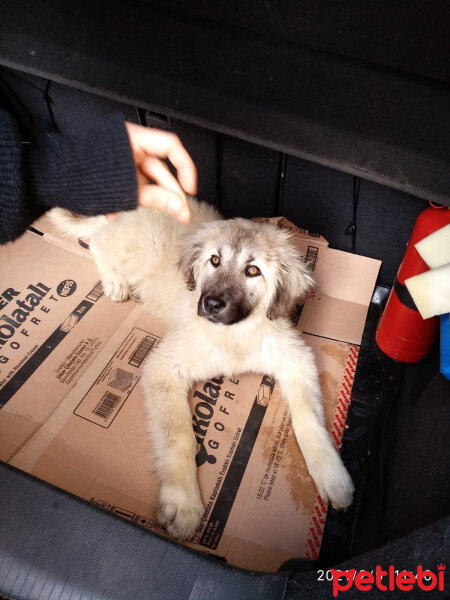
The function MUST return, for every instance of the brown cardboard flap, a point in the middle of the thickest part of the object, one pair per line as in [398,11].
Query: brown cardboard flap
[51,326]
[15,430]
[347,276]
[333,318]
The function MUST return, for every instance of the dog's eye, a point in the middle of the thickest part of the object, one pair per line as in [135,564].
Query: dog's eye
[215,260]
[252,271]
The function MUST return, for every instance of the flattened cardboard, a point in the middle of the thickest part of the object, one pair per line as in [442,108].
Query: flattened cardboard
[77,420]
[47,318]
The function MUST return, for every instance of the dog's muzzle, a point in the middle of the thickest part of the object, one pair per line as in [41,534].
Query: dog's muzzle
[224,309]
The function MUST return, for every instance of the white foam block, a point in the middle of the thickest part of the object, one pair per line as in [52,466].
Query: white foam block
[431,291]
[435,248]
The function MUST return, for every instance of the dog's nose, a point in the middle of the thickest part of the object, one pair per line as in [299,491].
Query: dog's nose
[214,305]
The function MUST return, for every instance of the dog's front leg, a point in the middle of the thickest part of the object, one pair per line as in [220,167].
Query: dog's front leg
[114,284]
[174,446]
[300,386]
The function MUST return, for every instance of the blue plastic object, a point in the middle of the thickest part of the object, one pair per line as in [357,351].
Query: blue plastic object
[445,345]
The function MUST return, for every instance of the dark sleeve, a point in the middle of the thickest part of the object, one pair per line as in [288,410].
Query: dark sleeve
[90,174]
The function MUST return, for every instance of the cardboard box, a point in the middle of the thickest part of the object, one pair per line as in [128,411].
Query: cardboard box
[71,410]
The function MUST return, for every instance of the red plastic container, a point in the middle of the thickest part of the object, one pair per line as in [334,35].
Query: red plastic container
[402,334]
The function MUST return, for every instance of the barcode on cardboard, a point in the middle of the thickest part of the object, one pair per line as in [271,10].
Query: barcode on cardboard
[106,406]
[142,350]
[311,256]
[111,389]
[96,292]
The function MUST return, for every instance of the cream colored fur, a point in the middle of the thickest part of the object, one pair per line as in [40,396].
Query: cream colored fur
[142,254]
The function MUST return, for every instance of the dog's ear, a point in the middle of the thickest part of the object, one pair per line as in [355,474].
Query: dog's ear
[189,254]
[293,282]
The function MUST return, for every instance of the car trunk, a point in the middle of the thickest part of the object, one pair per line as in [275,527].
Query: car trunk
[334,115]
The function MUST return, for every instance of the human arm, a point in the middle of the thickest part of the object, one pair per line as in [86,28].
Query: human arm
[105,170]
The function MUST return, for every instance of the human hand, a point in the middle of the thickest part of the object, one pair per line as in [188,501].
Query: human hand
[164,191]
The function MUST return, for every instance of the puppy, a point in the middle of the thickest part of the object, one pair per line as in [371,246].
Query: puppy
[225,295]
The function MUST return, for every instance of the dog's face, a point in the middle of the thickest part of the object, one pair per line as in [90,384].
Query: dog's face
[242,268]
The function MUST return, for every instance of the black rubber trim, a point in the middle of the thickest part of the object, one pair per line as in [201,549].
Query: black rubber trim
[403,295]
[55,546]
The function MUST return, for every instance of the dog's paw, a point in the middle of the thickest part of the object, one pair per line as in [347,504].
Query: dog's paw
[136,297]
[115,289]
[180,513]
[335,485]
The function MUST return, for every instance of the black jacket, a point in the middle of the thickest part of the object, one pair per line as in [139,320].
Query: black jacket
[90,174]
